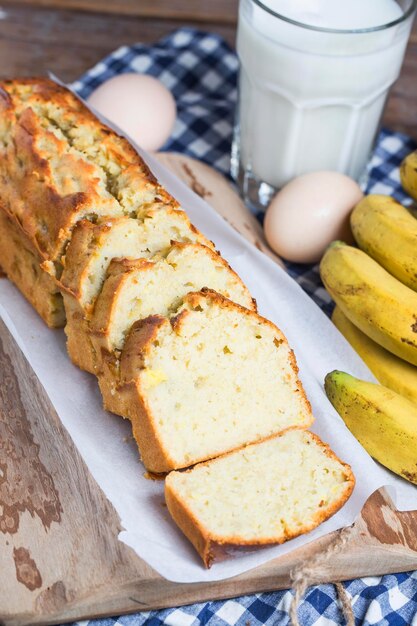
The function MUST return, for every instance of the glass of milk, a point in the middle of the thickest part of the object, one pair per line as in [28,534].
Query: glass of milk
[314,77]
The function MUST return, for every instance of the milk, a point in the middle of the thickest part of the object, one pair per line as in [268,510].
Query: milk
[312,99]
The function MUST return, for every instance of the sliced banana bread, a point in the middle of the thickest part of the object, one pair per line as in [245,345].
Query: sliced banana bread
[88,256]
[214,377]
[266,493]
[135,289]
[60,164]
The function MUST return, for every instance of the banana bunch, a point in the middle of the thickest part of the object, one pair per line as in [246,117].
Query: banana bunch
[375,286]
[386,231]
[382,421]
[387,368]
[372,299]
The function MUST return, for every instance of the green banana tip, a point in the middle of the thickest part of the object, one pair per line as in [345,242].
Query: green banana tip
[333,376]
[336,243]
[330,375]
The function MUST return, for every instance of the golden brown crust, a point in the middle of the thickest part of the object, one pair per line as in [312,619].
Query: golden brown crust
[214,548]
[138,343]
[112,378]
[44,90]
[48,184]
[108,381]
[152,453]
[21,264]
[86,238]
[188,524]
[79,345]
[47,210]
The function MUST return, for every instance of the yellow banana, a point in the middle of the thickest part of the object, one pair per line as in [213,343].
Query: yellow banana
[386,231]
[373,300]
[383,422]
[387,368]
[408,174]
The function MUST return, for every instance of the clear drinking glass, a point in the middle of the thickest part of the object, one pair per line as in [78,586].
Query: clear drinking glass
[310,98]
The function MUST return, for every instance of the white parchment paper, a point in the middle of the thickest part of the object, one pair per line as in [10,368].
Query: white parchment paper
[104,440]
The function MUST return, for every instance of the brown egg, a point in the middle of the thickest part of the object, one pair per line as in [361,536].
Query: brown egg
[138,104]
[308,213]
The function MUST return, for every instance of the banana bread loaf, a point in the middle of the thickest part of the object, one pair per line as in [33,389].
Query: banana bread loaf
[200,376]
[58,165]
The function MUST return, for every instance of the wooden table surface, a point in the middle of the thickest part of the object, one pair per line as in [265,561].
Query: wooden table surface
[69,36]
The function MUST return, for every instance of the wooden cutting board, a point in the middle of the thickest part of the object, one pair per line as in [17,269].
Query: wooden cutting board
[218,192]
[60,559]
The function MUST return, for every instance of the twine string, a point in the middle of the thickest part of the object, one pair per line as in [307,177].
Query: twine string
[303,576]
[345,604]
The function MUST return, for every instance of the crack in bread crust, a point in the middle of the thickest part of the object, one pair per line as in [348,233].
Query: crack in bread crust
[60,164]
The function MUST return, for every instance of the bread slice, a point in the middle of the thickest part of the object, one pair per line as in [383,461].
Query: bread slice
[214,377]
[60,164]
[135,289]
[89,253]
[266,493]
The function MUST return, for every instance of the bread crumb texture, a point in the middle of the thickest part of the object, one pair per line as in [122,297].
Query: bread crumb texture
[143,289]
[264,493]
[93,246]
[225,377]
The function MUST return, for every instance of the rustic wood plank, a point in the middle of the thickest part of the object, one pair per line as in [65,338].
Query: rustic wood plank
[53,542]
[35,41]
[222,11]
[74,29]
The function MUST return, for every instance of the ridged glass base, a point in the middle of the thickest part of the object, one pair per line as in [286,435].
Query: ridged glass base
[255,192]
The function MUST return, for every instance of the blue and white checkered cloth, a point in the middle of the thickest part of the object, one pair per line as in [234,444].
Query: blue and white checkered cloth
[201,70]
